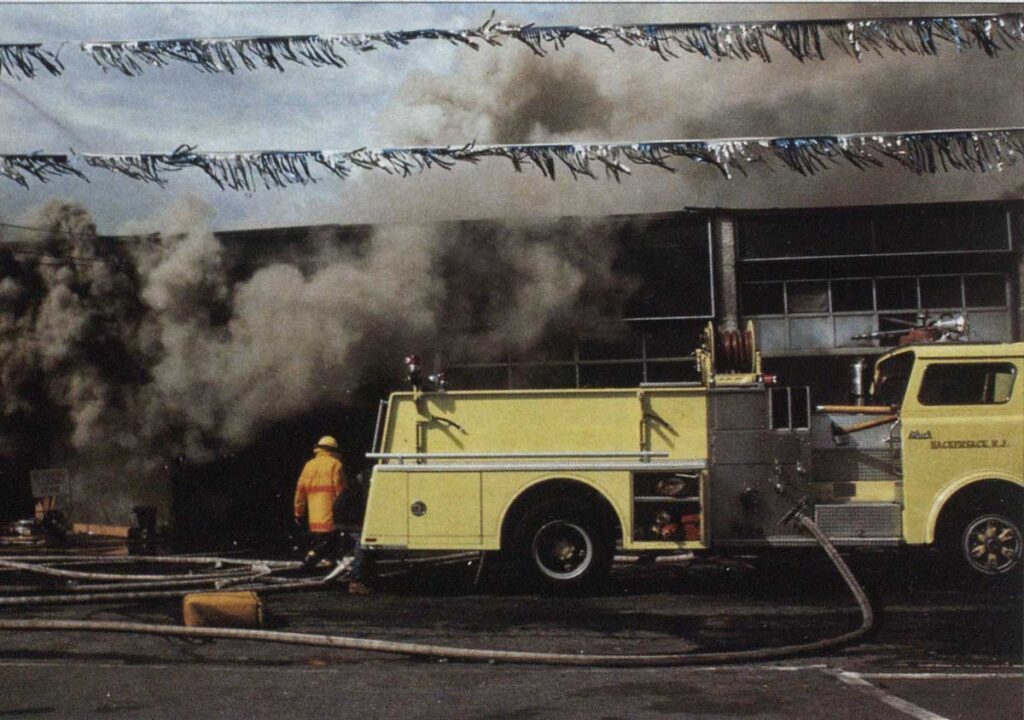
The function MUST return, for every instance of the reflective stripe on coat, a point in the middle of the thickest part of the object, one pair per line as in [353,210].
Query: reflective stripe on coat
[320,483]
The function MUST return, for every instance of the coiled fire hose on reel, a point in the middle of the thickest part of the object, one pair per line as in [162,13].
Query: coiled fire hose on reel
[491,655]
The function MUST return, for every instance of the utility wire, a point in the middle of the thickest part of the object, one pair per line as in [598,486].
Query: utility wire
[59,260]
[922,152]
[746,40]
[125,239]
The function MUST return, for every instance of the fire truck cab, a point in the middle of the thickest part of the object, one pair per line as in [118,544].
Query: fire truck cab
[558,481]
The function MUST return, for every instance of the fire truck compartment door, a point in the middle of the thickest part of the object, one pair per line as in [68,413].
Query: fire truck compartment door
[444,509]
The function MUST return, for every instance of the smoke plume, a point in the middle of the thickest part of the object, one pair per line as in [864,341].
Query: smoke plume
[585,93]
[152,348]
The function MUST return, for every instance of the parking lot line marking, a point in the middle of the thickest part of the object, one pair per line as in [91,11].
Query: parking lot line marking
[941,676]
[965,666]
[904,706]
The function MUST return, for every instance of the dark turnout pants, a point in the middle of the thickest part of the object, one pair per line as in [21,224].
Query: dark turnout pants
[328,545]
[336,544]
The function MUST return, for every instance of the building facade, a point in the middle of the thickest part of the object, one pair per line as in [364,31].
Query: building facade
[811,280]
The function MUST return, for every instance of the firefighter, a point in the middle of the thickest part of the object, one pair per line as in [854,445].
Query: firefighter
[321,482]
[320,495]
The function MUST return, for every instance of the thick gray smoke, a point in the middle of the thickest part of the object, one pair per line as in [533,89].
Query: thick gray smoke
[149,349]
[586,93]
[286,339]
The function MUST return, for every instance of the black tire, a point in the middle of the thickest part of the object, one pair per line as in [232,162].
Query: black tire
[984,544]
[563,546]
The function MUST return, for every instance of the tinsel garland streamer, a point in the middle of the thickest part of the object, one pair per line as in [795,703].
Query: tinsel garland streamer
[919,152]
[21,61]
[38,165]
[803,39]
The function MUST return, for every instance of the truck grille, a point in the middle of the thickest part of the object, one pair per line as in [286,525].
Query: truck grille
[881,520]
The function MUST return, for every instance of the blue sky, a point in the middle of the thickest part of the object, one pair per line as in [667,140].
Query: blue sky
[437,93]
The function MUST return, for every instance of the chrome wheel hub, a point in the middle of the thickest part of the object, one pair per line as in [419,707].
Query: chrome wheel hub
[562,550]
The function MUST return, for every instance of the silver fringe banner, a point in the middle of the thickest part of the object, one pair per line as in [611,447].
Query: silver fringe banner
[231,171]
[40,166]
[21,61]
[216,55]
[919,152]
[803,39]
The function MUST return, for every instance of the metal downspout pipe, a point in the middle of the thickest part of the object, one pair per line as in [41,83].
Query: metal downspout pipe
[723,237]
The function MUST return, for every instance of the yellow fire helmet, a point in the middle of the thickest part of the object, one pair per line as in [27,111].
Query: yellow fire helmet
[327,442]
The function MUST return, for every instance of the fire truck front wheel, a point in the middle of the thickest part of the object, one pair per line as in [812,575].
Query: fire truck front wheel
[982,542]
[564,546]
[991,544]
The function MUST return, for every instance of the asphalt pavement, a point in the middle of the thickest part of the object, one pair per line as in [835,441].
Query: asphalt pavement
[937,653]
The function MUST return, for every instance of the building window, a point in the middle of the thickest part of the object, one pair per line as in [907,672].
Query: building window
[643,353]
[828,313]
[671,260]
[925,230]
[898,293]
[807,297]
[855,295]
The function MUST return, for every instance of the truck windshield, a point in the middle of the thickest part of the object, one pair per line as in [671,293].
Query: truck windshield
[891,378]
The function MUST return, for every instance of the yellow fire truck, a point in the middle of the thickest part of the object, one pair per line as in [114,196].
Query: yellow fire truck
[561,480]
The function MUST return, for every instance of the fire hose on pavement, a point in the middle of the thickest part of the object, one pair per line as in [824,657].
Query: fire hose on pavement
[492,655]
[90,587]
[227,573]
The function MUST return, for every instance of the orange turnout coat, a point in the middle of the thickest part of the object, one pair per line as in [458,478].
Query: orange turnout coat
[320,483]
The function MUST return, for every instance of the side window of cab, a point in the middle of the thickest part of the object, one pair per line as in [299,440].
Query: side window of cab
[967,383]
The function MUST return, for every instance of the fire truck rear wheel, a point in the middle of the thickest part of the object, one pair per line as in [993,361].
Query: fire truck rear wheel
[564,546]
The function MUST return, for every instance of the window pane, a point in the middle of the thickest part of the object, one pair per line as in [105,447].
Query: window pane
[808,297]
[985,290]
[897,293]
[601,349]
[808,234]
[851,295]
[673,341]
[940,292]
[942,229]
[545,376]
[611,375]
[763,299]
[670,260]
[777,236]
[966,384]
[672,372]
[478,378]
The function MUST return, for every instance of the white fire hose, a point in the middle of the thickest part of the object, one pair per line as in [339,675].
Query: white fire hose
[91,587]
[484,654]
